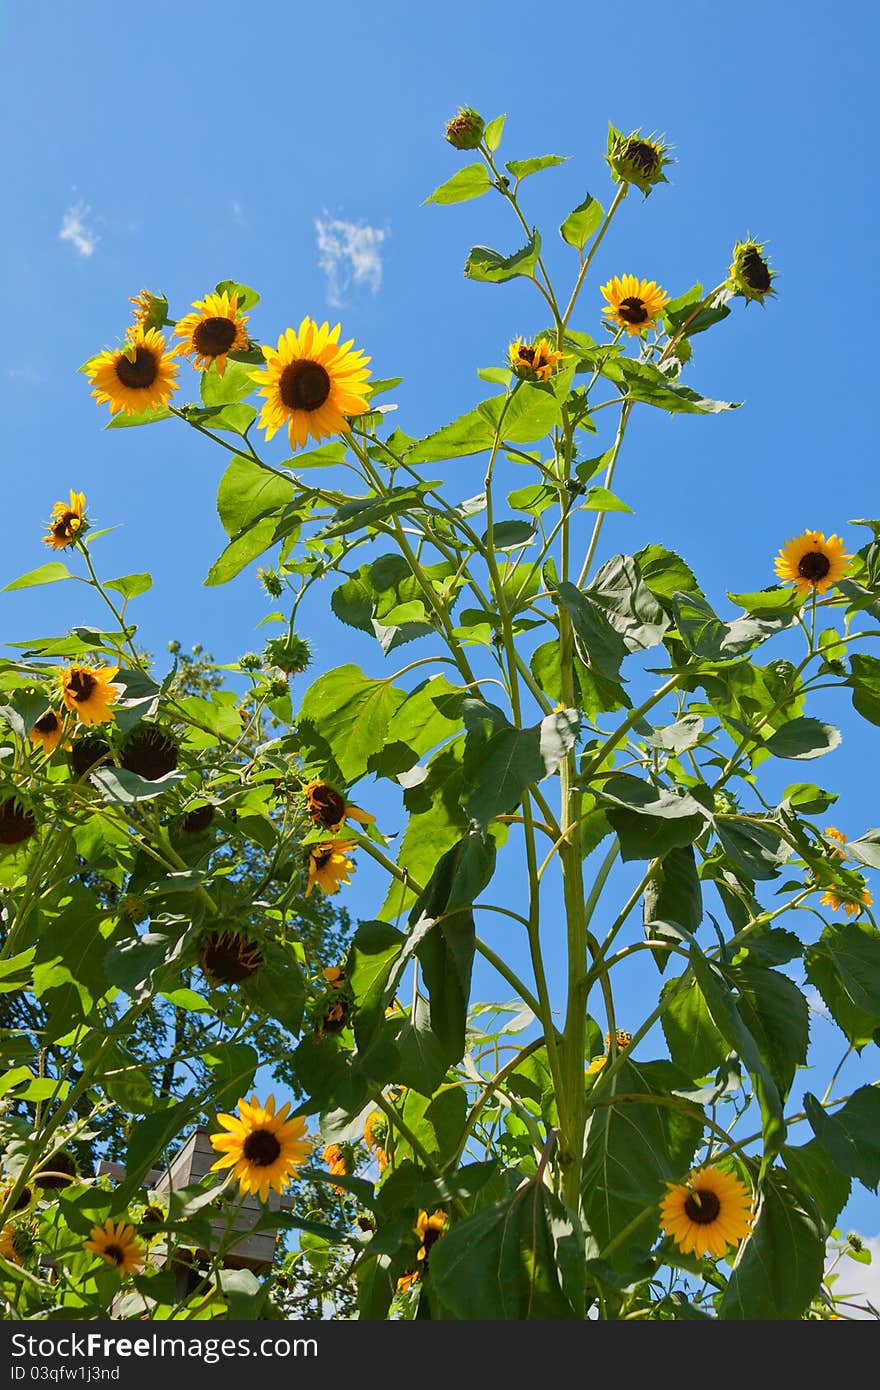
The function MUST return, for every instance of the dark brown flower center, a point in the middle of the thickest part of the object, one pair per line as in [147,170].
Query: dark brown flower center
[197,820]
[16,823]
[814,566]
[632,310]
[48,723]
[643,156]
[150,754]
[137,375]
[334,1020]
[86,752]
[214,336]
[261,1148]
[229,958]
[431,1236]
[304,385]
[321,856]
[81,684]
[527,354]
[66,527]
[115,1253]
[756,272]
[326,806]
[61,1170]
[22,1200]
[702,1206]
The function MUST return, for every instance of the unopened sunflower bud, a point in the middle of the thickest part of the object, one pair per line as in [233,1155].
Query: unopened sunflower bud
[533,361]
[637,158]
[750,273]
[174,647]
[271,582]
[465,131]
[289,653]
[277,687]
[251,661]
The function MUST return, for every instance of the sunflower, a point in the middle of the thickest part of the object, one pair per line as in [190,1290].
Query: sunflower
[335,1019]
[336,1159]
[215,329]
[329,865]
[832,899]
[47,731]
[329,808]
[9,1243]
[376,1136]
[150,310]
[335,976]
[87,752]
[21,1201]
[707,1214]
[634,304]
[597,1064]
[533,361]
[637,158]
[833,833]
[117,1244]
[262,1148]
[89,692]
[149,752]
[429,1229]
[198,819]
[60,1170]
[809,561]
[229,957]
[67,522]
[311,383]
[750,274]
[17,822]
[141,375]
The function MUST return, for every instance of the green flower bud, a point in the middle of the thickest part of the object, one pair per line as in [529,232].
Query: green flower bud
[750,273]
[637,158]
[251,661]
[271,582]
[465,131]
[174,647]
[289,653]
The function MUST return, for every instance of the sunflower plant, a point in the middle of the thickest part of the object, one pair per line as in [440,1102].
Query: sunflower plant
[566,776]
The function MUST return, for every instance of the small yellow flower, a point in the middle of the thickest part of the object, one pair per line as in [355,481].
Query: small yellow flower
[429,1229]
[336,1159]
[150,310]
[334,975]
[141,375]
[708,1214]
[88,692]
[262,1147]
[633,304]
[67,522]
[811,562]
[47,731]
[832,899]
[311,384]
[376,1136]
[329,808]
[213,331]
[117,1245]
[329,865]
[9,1243]
[533,361]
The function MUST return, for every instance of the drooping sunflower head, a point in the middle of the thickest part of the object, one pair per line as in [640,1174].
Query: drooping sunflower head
[88,692]
[465,130]
[58,1171]
[329,865]
[229,957]
[118,1246]
[429,1229]
[633,305]
[150,310]
[88,752]
[47,731]
[140,375]
[533,361]
[17,821]
[750,273]
[637,158]
[22,1200]
[150,752]
[811,562]
[289,653]
[329,808]
[214,330]
[311,384]
[16,1242]
[334,1019]
[68,522]
[708,1214]
[261,1146]
[851,906]
[198,819]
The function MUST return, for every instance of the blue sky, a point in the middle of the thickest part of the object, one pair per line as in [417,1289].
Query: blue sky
[184,144]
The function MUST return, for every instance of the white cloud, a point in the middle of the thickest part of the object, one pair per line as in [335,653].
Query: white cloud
[349,255]
[237,210]
[25,373]
[75,230]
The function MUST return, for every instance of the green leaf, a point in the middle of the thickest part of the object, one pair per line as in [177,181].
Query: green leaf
[363,513]
[248,493]
[436,1121]
[46,574]
[234,385]
[633,1149]
[851,1136]
[130,585]
[629,605]
[469,182]
[865,681]
[247,297]
[522,168]
[278,988]
[599,499]
[121,421]
[780,1267]
[809,799]
[673,894]
[650,823]
[520,419]
[518,1260]
[844,965]
[600,647]
[500,770]
[349,713]
[641,381]
[436,823]
[681,311]
[582,222]
[813,1171]
[421,1063]
[374,952]
[493,132]
[490,266]
[775,1012]
[803,738]
[695,1044]
[866,849]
